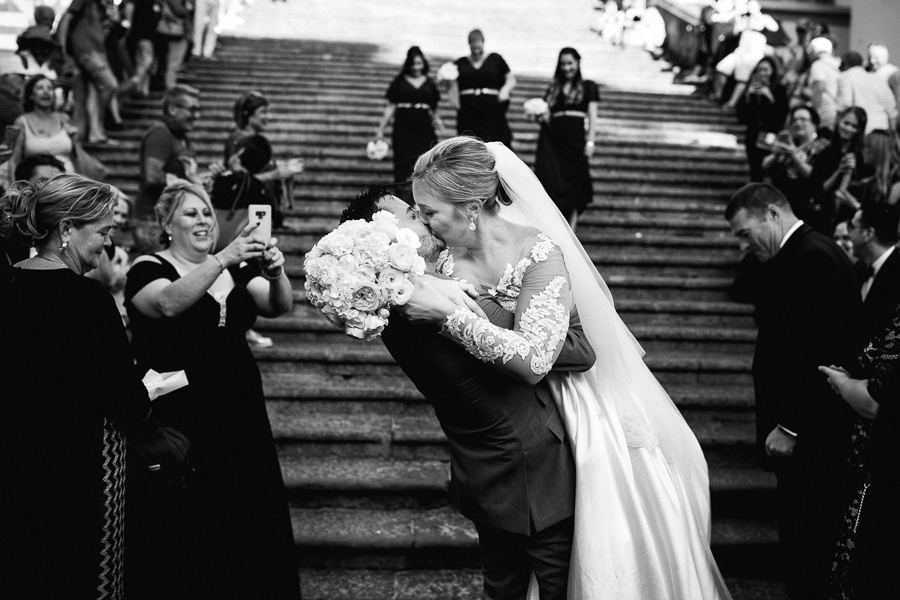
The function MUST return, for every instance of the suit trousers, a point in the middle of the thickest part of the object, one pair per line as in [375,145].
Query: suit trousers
[508,560]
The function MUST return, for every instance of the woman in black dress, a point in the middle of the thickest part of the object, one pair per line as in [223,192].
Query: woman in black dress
[70,390]
[563,151]
[762,108]
[483,88]
[227,534]
[412,104]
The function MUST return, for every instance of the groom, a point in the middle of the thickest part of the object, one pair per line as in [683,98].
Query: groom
[512,470]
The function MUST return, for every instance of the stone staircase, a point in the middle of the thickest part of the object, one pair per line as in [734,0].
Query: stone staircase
[362,455]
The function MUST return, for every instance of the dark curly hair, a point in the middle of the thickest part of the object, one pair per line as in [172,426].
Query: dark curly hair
[411,55]
[27,101]
[366,204]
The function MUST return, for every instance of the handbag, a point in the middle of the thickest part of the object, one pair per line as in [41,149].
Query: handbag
[170,24]
[158,456]
[86,164]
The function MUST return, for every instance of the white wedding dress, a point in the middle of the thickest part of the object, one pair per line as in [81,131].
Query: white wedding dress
[642,513]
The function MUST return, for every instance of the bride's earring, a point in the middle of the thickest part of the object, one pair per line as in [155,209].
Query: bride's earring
[471,225]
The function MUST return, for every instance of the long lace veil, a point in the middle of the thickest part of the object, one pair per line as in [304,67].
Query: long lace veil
[624,387]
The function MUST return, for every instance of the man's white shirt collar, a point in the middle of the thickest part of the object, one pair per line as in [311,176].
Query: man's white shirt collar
[790,232]
[876,266]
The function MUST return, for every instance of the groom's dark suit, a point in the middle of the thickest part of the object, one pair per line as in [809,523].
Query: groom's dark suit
[808,315]
[883,298]
[512,468]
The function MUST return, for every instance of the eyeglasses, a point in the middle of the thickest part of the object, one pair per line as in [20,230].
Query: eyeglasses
[193,109]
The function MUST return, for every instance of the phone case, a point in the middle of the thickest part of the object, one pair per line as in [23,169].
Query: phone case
[262,214]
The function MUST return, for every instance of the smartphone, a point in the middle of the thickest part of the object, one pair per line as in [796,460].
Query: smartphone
[11,135]
[261,215]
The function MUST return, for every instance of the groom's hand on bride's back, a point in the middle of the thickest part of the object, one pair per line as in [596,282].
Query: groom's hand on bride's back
[435,298]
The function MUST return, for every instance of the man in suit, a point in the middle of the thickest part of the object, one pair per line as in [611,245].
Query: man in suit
[873,233]
[511,467]
[808,315]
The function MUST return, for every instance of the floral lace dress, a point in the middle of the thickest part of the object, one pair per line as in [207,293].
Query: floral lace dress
[638,530]
[877,362]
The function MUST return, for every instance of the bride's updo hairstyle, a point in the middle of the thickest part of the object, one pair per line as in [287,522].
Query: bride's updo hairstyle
[31,212]
[461,171]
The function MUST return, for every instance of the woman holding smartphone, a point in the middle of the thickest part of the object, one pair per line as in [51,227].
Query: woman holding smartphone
[227,533]
[762,108]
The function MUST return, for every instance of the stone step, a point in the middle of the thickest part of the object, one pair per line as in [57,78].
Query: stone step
[336,388]
[417,538]
[373,435]
[453,584]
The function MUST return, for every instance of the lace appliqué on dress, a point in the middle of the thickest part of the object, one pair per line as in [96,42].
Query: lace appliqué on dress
[638,434]
[542,327]
[510,285]
[445,264]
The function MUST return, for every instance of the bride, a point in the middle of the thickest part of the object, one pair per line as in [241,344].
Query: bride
[642,516]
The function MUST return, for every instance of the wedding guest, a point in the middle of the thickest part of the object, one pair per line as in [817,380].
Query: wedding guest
[565,145]
[412,100]
[143,16]
[763,108]
[189,310]
[873,233]
[841,237]
[71,383]
[808,314]
[38,166]
[858,87]
[794,153]
[866,548]
[172,39]
[836,167]
[879,62]
[484,86]
[166,155]
[739,65]
[823,81]
[248,150]
[45,130]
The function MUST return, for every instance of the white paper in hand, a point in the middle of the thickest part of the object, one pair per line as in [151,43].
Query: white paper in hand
[160,384]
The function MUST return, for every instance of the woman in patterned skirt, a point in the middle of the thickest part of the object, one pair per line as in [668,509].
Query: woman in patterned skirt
[70,387]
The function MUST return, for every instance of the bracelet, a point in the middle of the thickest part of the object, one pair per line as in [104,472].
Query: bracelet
[273,277]
[221,264]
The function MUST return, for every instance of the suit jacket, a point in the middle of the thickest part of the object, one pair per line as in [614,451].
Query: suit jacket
[511,466]
[808,315]
[883,298]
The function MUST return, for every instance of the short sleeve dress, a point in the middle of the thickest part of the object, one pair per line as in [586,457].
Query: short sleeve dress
[70,393]
[413,132]
[560,163]
[480,113]
[228,534]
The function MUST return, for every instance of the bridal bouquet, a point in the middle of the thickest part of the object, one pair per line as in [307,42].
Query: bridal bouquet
[448,72]
[358,271]
[535,107]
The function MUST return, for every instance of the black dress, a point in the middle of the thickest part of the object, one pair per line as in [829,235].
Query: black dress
[560,162]
[228,534]
[480,113]
[761,115]
[69,389]
[413,132]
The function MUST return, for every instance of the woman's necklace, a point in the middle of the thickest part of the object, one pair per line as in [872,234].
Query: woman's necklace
[42,124]
[52,258]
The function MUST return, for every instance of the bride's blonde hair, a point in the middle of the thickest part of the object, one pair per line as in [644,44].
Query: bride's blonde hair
[461,170]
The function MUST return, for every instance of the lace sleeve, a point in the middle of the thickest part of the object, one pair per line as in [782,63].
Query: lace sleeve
[541,319]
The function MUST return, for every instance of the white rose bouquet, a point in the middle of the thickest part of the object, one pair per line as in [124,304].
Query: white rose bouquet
[448,72]
[358,271]
[535,107]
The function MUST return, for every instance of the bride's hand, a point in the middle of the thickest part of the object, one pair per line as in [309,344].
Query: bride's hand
[434,299]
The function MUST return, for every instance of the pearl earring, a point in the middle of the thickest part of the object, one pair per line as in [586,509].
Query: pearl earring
[64,245]
[471,225]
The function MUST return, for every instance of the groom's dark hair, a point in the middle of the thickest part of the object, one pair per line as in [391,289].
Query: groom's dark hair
[366,204]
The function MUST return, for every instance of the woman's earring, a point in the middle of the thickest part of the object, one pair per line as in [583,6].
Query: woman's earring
[471,225]
[64,245]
